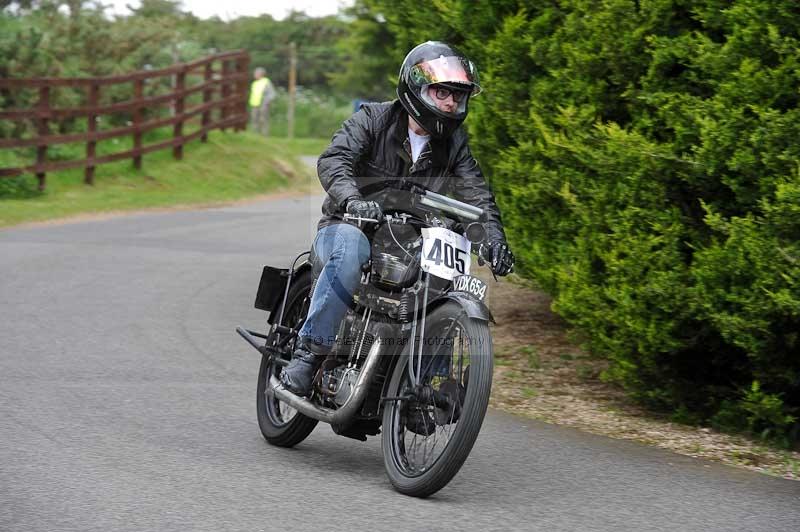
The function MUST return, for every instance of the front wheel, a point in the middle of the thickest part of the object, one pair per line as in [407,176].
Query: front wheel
[427,439]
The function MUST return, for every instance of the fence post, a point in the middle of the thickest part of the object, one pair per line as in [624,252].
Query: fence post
[242,68]
[91,144]
[226,90]
[138,92]
[43,107]
[207,94]
[177,132]
[292,83]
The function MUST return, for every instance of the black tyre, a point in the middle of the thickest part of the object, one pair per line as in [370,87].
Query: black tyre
[281,424]
[424,442]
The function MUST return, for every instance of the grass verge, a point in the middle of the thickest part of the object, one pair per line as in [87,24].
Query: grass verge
[230,166]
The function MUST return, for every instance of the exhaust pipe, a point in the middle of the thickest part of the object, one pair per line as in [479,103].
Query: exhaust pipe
[343,414]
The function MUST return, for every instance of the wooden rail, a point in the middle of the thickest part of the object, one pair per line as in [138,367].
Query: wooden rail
[223,75]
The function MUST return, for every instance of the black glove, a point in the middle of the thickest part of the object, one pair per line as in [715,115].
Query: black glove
[364,208]
[500,258]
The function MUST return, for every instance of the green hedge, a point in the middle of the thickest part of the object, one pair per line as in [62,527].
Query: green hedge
[645,155]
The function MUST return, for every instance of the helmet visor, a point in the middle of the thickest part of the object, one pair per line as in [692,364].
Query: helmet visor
[449,100]
[452,70]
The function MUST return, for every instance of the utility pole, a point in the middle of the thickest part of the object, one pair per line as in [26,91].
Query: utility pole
[174,78]
[292,80]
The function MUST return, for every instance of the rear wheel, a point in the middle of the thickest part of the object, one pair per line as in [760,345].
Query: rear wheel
[281,424]
[426,440]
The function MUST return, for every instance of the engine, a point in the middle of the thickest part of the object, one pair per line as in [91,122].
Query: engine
[353,344]
[395,256]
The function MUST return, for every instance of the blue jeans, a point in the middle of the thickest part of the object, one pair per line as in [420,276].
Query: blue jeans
[341,249]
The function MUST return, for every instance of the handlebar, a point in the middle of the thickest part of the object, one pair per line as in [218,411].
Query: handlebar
[479,248]
[388,218]
[463,211]
[426,199]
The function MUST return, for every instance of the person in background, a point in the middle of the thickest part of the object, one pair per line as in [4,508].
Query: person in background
[262,92]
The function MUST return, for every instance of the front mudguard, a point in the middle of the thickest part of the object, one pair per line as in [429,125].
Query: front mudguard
[472,307]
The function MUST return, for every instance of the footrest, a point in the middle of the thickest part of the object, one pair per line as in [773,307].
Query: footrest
[265,350]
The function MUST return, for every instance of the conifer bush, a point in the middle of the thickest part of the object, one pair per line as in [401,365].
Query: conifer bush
[645,156]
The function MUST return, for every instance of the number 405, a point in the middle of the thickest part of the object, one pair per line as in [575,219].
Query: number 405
[451,256]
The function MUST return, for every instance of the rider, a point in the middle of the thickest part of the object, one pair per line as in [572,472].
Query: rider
[417,137]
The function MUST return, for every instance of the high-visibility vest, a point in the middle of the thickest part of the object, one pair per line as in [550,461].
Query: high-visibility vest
[257,91]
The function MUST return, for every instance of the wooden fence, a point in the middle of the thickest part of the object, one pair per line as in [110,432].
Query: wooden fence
[223,84]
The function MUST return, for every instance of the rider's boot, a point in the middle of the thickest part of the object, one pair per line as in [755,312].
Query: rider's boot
[298,375]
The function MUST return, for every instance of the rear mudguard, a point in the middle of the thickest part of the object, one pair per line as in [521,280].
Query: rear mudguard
[272,288]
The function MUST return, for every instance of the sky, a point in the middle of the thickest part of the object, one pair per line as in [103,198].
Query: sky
[230,9]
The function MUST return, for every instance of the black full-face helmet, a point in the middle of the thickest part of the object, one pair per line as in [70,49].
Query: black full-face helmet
[440,65]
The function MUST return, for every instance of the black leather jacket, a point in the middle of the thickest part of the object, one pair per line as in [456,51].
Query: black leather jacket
[373,145]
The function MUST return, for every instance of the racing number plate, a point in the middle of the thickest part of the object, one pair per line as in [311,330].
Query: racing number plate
[445,254]
[471,285]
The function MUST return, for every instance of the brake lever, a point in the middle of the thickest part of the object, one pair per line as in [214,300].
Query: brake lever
[359,219]
[482,261]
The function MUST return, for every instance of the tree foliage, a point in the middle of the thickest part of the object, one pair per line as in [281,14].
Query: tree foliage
[79,38]
[367,66]
[41,38]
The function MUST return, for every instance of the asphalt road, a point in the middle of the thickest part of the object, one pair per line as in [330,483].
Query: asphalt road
[127,402]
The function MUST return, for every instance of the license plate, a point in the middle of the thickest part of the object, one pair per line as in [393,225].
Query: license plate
[471,285]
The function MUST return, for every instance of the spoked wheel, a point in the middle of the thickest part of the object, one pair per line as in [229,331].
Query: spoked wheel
[427,439]
[281,424]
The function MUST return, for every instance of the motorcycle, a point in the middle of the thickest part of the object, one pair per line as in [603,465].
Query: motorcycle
[413,356]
